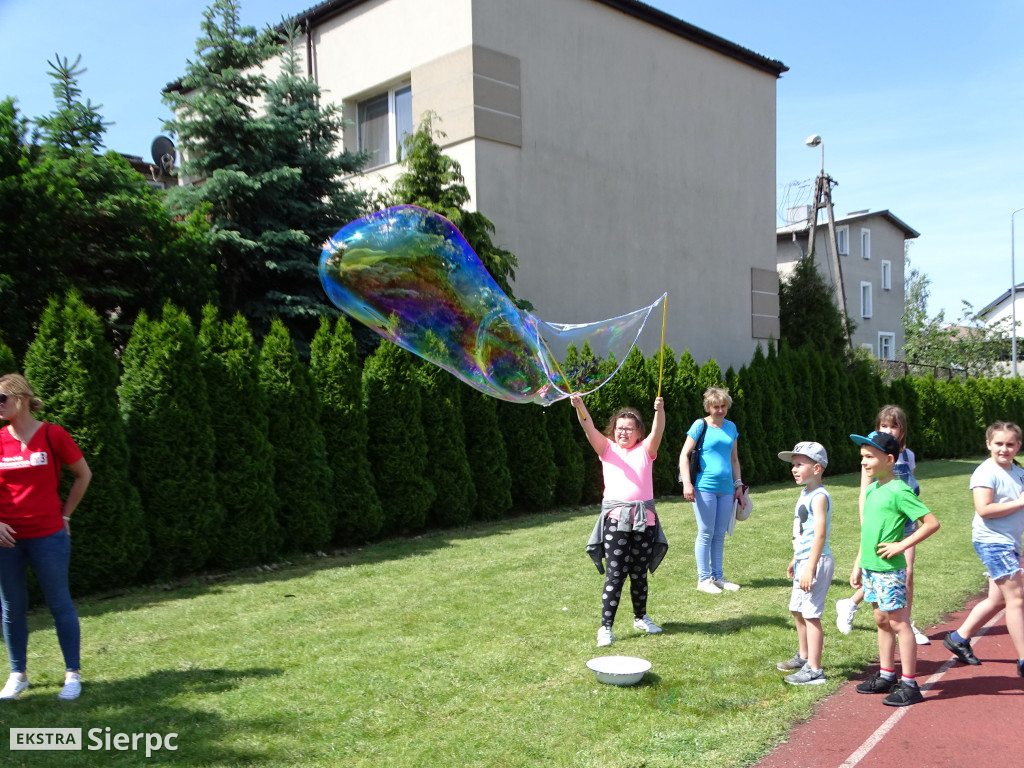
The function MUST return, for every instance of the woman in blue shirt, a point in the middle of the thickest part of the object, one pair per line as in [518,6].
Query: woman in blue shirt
[717,485]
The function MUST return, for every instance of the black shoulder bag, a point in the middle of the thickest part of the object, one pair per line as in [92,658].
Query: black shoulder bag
[695,454]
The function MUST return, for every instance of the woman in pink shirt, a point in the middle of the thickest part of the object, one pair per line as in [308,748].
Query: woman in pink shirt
[628,535]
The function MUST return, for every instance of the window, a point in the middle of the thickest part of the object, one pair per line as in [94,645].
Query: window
[865,300]
[382,124]
[843,240]
[886,346]
[886,275]
[865,243]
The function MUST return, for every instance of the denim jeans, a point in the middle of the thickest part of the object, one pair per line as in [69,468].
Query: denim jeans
[49,557]
[713,512]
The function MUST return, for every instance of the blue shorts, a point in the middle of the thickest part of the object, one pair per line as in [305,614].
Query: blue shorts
[887,589]
[1000,559]
[909,527]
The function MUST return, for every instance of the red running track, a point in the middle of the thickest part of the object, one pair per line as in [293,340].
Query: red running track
[971,717]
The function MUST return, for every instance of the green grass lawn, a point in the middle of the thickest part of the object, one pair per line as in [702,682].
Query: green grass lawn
[468,648]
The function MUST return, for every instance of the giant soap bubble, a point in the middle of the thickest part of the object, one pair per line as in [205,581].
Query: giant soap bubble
[408,274]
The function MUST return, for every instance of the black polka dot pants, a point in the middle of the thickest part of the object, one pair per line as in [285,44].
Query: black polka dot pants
[625,553]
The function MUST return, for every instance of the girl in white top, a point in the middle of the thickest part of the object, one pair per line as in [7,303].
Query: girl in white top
[998,489]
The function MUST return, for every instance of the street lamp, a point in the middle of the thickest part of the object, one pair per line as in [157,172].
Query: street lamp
[1013,297]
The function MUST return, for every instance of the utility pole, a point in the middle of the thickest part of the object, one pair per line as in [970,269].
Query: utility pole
[823,199]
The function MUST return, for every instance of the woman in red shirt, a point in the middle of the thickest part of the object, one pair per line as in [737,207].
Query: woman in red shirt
[35,529]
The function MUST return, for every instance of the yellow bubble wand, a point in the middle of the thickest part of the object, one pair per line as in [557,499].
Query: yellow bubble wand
[661,366]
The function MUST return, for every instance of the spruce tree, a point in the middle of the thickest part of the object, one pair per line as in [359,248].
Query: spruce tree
[808,313]
[398,444]
[243,458]
[488,459]
[531,458]
[339,386]
[302,475]
[224,142]
[167,421]
[666,468]
[72,368]
[434,181]
[447,463]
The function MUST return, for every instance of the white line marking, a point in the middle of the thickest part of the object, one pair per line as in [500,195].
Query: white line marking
[872,741]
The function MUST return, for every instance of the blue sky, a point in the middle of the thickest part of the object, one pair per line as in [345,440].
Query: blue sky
[921,104]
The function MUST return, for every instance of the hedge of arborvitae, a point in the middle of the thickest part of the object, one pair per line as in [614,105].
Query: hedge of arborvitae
[209,450]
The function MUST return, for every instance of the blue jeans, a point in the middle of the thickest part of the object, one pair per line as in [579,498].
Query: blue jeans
[49,557]
[713,512]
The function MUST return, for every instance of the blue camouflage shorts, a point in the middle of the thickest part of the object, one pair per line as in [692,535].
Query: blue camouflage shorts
[887,589]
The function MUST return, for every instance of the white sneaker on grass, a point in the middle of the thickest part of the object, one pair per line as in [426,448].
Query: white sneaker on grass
[72,687]
[709,586]
[728,586]
[920,637]
[846,609]
[14,687]
[604,636]
[797,662]
[645,624]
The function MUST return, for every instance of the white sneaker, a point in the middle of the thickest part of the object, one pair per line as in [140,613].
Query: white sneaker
[728,586]
[646,625]
[846,609]
[709,586]
[14,687]
[72,687]
[919,636]
[604,636]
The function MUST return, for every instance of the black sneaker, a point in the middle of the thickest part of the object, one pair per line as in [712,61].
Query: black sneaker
[903,695]
[876,684]
[961,650]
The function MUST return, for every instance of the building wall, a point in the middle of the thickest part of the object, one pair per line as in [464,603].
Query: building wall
[886,245]
[617,160]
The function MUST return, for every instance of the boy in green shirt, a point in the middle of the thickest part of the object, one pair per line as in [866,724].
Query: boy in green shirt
[882,569]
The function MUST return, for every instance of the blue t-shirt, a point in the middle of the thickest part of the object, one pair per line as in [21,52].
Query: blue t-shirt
[715,456]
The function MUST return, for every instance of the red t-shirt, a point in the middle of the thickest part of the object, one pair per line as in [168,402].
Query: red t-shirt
[28,480]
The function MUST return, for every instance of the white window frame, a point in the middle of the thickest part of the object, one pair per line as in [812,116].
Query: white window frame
[886,275]
[396,135]
[843,241]
[866,300]
[865,243]
[886,346]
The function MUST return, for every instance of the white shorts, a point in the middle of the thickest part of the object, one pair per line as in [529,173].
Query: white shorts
[812,604]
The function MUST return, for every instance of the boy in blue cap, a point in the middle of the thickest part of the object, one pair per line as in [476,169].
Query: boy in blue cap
[881,568]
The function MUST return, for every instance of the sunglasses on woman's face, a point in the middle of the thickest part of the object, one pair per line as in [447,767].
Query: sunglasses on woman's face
[4,396]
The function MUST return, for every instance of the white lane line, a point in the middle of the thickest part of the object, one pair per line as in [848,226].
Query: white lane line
[872,741]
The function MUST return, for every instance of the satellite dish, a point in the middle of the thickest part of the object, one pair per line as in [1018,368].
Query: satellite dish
[163,154]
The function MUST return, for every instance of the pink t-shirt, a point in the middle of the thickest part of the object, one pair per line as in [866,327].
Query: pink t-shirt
[628,476]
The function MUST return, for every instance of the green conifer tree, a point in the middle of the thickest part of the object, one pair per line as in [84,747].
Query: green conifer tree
[72,368]
[302,476]
[167,420]
[666,468]
[8,362]
[243,457]
[398,445]
[339,385]
[561,424]
[447,463]
[531,458]
[488,459]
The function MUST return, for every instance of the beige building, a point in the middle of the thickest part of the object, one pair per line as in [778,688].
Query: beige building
[620,152]
[871,250]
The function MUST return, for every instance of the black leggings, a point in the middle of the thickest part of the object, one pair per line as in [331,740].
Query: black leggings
[625,553]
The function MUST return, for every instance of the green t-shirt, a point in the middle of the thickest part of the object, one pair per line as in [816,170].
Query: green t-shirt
[887,508]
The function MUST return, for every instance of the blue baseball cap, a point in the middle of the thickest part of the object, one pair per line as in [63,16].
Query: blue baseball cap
[883,441]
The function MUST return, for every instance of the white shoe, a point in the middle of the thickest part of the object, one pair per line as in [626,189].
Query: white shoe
[14,687]
[728,586]
[846,609]
[646,625]
[72,687]
[604,636]
[919,636]
[709,586]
